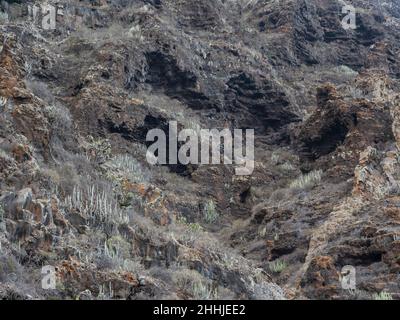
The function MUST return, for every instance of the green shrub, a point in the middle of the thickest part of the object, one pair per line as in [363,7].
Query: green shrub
[1,212]
[287,167]
[97,205]
[275,158]
[277,266]
[195,227]
[128,167]
[382,296]
[210,212]
[193,283]
[306,181]
[3,18]
[97,149]
[203,291]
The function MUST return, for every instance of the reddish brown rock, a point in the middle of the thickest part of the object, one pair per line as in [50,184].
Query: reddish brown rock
[322,278]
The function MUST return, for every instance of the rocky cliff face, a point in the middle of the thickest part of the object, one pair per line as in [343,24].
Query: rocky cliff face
[77,193]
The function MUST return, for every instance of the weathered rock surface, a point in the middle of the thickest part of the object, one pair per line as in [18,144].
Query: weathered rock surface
[76,192]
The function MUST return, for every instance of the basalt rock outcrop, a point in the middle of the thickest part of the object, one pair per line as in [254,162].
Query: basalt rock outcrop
[76,191]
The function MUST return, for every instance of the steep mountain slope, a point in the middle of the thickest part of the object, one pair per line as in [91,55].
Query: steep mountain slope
[77,193]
